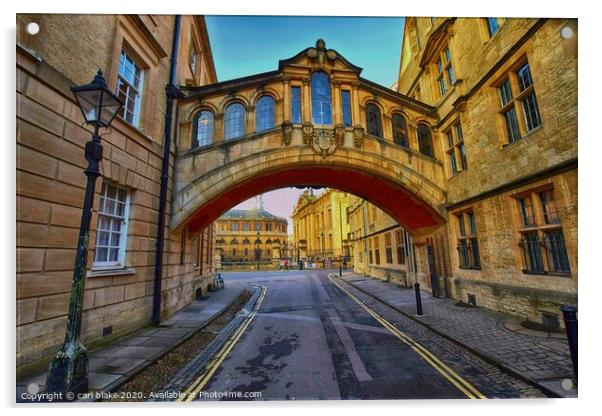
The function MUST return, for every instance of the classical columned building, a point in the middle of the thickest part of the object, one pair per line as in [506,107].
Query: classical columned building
[246,237]
[321,226]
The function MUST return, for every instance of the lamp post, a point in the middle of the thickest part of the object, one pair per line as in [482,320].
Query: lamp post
[68,371]
[257,249]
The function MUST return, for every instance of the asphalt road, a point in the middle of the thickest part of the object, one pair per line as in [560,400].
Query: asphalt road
[310,340]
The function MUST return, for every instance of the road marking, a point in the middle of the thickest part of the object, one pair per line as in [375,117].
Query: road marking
[460,383]
[356,362]
[321,291]
[195,387]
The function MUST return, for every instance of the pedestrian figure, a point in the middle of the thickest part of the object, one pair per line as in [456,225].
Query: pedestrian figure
[286,264]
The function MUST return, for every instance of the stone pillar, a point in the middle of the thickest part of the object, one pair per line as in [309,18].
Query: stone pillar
[218,128]
[286,105]
[306,101]
[250,120]
[336,102]
[355,104]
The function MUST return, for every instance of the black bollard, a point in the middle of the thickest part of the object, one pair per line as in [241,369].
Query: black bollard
[341,270]
[569,314]
[418,299]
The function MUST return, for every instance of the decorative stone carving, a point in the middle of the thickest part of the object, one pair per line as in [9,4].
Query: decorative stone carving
[339,134]
[308,132]
[321,53]
[324,142]
[287,133]
[358,136]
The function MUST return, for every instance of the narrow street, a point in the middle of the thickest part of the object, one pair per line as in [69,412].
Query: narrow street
[313,338]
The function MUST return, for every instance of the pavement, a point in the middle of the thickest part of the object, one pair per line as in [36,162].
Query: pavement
[541,358]
[117,362]
[310,340]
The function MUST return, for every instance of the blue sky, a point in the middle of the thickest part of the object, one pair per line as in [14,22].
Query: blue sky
[246,45]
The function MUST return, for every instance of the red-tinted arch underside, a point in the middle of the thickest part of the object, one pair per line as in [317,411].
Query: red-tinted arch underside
[408,209]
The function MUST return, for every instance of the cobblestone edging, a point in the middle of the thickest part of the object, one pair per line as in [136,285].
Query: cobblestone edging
[485,373]
[187,374]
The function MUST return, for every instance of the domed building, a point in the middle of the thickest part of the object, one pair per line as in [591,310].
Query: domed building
[246,237]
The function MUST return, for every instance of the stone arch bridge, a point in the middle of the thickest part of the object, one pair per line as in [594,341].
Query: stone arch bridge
[312,122]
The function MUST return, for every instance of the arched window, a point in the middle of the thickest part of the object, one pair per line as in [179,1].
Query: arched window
[321,106]
[235,121]
[203,129]
[373,124]
[425,140]
[264,113]
[400,130]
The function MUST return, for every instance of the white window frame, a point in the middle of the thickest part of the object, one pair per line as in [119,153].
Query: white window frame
[130,88]
[120,263]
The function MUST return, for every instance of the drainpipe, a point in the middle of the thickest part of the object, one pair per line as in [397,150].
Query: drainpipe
[171,93]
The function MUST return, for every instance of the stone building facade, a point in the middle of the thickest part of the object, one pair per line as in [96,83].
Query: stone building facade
[505,94]
[133,53]
[245,237]
[321,226]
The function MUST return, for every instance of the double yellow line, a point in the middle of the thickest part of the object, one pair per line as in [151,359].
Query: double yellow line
[196,386]
[461,384]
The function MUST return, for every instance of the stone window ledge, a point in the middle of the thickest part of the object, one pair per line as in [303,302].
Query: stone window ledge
[111,272]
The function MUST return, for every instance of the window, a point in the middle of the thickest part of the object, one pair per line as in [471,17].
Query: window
[399,242]
[264,113]
[268,227]
[246,226]
[183,246]
[492,25]
[456,150]
[468,245]
[129,88]
[529,103]
[235,121]
[320,98]
[400,130]
[296,105]
[192,60]
[425,140]
[346,104]
[509,112]
[111,232]
[550,214]
[203,129]
[234,226]
[377,250]
[373,123]
[516,92]
[257,226]
[388,248]
[445,71]
[541,237]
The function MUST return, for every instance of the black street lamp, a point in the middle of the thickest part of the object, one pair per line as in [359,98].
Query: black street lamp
[257,249]
[68,371]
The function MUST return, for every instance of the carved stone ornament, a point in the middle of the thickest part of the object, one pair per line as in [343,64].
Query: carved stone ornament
[287,133]
[308,132]
[339,134]
[321,53]
[324,142]
[358,136]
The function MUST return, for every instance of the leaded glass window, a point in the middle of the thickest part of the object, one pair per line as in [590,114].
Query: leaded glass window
[264,113]
[321,105]
[492,25]
[296,105]
[425,140]
[346,104]
[235,121]
[400,130]
[203,129]
[373,122]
